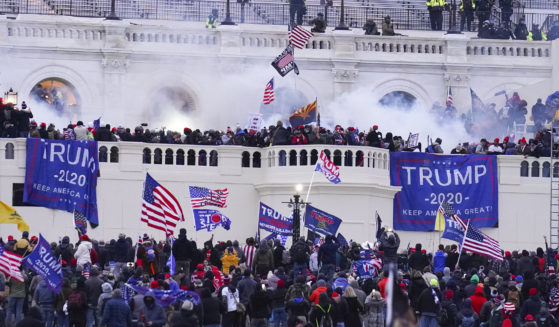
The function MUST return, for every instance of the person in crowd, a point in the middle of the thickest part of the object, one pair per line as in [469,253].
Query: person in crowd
[536,34]
[185,317]
[46,299]
[153,314]
[521,30]
[94,290]
[300,255]
[297,9]
[467,9]
[116,312]
[327,257]
[212,21]
[321,313]
[77,305]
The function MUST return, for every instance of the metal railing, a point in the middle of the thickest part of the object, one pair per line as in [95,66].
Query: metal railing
[405,16]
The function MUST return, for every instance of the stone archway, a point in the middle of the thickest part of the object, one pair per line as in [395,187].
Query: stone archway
[58,96]
[400,100]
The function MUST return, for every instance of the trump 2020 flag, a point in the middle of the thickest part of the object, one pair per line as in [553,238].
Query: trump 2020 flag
[42,261]
[210,219]
[327,167]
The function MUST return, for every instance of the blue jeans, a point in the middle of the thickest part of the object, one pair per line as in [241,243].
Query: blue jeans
[280,317]
[15,307]
[328,271]
[299,268]
[47,310]
[92,317]
[62,319]
[428,321]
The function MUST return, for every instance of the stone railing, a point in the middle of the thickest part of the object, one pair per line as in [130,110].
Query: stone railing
[166,155]
[191,37]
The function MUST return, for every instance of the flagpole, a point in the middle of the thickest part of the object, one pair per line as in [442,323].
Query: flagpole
[310,185]
[462,244]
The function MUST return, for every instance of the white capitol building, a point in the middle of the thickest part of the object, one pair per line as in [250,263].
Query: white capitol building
[165,71]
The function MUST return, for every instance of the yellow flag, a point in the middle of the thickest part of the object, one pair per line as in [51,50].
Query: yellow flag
[439,223]
[556,117]
[9,215]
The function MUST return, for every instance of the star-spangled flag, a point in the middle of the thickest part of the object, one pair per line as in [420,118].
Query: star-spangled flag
[80,222]
[85,271]
[202,196]
[160,209]
[269,94]
[449,99]
[299,37]
[478,242]
[10,264]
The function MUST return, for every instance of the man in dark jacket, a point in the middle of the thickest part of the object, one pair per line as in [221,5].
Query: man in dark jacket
[120,253]
[153,313]
[185,317]
[45,298]
[428,304]
[94,290]
[532,305]
[300,252]
[182,250]
[64,251]
[418,260]
[281,135]
[117,312]
[327,257]
[521,30]
[389,243]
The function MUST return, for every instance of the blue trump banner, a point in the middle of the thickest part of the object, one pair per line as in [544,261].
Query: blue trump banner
[62,175]
[209,219]
[453,230]
[468,183]
[167,297]
[43,262]
[321,222]
[272,221]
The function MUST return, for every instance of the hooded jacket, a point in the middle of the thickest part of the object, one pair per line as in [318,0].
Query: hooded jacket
[43,295]
[478,300]
[153,312]
[82,254]
[104,297]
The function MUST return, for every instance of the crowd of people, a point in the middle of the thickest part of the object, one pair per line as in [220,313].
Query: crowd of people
[481,120]
[266,284]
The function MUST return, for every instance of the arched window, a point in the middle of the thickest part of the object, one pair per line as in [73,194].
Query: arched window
[202,158]
[359,160]
[535,169]
[348,158]
[327,153]
[180,157]
[524,169]
[114,154]
[337,158]
[146,158]
[213,158]
[293,158]
[191,158]
[157,156]
[256,159]
[282,158]
[9,151]
[546,167]
[314,157]
[103,154]
[303,158]
[245,161]
[169,157]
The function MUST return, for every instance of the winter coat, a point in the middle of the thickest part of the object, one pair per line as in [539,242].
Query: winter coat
[82,254]
[228,260]
[426,302]
[182,248]
[212,310]
[353,319]
[327,253]
[259,305]
[478,300]
[296,289]
[120,250]
[418,261]
[439,261]
[246,287]
[389,244]
[116,314]
[104,297]
[154,313]
[63,250]
[183,318]
[94,290]
[374,314]
[316,293]
[263,258]
[43,295]
[531,306]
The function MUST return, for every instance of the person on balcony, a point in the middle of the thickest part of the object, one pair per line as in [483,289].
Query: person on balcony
[297,9]
[436,8]
[318,24]
[536,34]
[298,137]
[467,8]
[483,12]
[211,21]
[506,11]
[388,27]
[370,27]
[521,30]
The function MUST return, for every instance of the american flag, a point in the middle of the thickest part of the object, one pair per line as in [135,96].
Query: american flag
[477,242]
[10,264]
[449,99]
[285,60]
[554,299]
[201,196]
[160,209]
[377,263]
[80,222]
[269,92]
[299,36]
[448,210]
[85,271]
